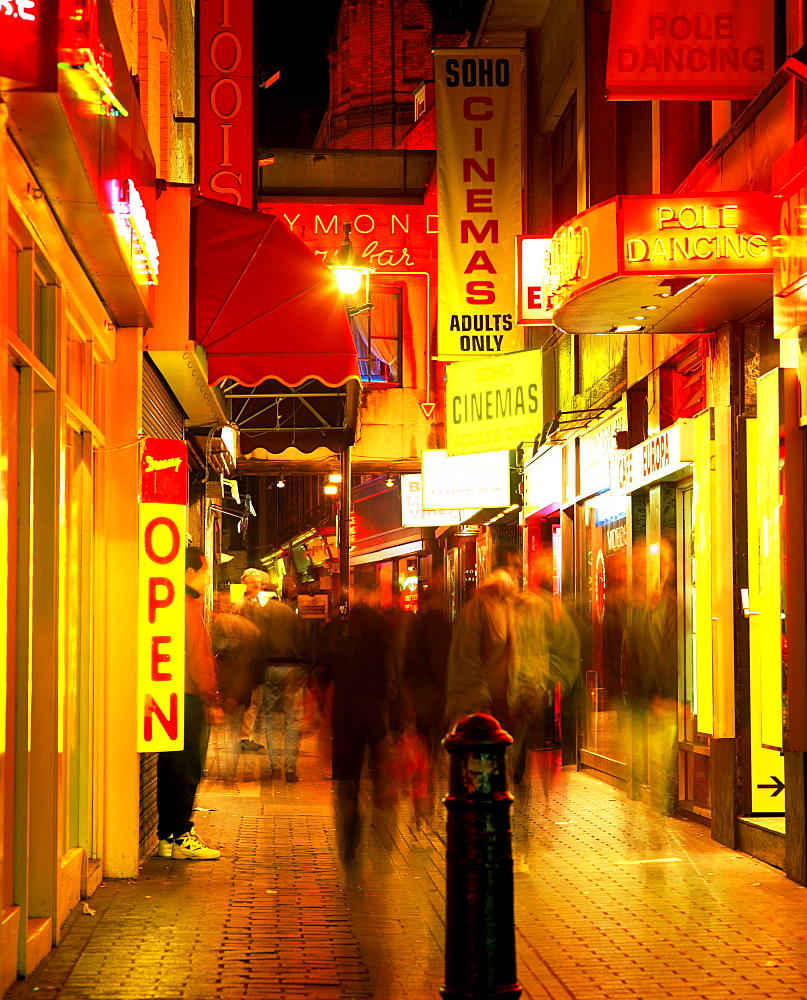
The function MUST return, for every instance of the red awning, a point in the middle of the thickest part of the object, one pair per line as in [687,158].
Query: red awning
[266,306]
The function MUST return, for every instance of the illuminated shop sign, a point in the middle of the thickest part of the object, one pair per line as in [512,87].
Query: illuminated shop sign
[597,449]
[543,481]
[662,456]
[479,129]
[704,234]
[789,175]
[493,403]
[86,60]
[227,160]
[396,238]
[466,481]
[531,280]
[25,10]
[688,50]
[28,44]
[414,516]
[134,228]
[161,596]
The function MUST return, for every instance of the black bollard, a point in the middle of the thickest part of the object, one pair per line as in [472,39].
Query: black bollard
[480,922]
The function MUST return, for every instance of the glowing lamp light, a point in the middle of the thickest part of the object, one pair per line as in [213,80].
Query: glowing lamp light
[349,269]
[330,489]
[334,477]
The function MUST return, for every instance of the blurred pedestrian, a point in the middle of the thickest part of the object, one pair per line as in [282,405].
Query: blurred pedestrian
[547,660]
[424,677]
[180,771]
[366,709]
[482,654]
[287,658]
[256,582]
[650,665]
[238,650]
[237,647]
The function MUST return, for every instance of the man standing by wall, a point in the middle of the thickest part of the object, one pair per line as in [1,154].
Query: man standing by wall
[180,771]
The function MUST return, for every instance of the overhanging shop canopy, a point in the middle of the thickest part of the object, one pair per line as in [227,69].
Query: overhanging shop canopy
[274,327]
[266,307]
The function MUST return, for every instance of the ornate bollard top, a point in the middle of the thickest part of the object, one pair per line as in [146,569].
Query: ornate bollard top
[477,745]
[479,729]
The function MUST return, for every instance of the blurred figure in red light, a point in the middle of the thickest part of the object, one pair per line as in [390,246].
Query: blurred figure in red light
[547,662]
[650,664]
[366,710]
[424,675]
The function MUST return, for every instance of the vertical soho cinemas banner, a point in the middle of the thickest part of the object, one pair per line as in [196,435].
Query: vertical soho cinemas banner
[161,596]
[226,102]
[479,185]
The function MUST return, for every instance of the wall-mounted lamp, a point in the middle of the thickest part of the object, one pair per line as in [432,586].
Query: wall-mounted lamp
[330,489]
[348,269]
[281,482]
[389,482]
[334,477]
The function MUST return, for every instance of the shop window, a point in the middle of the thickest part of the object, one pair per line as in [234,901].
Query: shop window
[377,335]
[44,315]
[83,372]
[12,286]
[33,296]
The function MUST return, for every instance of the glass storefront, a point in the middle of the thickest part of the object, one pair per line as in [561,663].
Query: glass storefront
[602,541]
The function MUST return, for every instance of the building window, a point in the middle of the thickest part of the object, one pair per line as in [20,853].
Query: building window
[44,315]
[377,335]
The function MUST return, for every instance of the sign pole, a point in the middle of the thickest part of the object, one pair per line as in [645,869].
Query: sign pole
[345,502]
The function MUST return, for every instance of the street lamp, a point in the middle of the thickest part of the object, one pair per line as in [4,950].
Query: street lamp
[349,269]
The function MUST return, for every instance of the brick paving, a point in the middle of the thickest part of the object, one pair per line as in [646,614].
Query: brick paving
[612,903]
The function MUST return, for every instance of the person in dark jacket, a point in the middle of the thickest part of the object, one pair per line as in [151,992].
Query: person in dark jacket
[365,709]
[180,771]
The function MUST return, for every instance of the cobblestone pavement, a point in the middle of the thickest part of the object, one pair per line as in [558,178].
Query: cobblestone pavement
[611,902]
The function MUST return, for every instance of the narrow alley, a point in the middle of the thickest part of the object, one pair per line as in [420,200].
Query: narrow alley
[611,902]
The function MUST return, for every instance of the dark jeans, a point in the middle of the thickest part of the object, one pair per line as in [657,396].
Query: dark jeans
[180,771]
[350,741]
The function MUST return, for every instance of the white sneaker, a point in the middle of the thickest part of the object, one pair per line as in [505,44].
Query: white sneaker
[190,847]
[164,848]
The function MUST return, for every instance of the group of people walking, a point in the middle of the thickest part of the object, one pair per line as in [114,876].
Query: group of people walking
[386,685]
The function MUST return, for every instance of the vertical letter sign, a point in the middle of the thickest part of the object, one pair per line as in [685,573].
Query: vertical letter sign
[479,124]
[161,596]
[226,102]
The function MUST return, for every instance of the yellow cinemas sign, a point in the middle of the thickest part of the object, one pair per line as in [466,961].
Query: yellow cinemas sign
[161,596]
[493,403]
[478,94]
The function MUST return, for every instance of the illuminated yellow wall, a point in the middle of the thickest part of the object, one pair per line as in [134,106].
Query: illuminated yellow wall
[702,517]
[765,597]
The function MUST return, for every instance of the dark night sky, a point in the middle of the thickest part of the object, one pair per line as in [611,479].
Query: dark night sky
[293,36]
